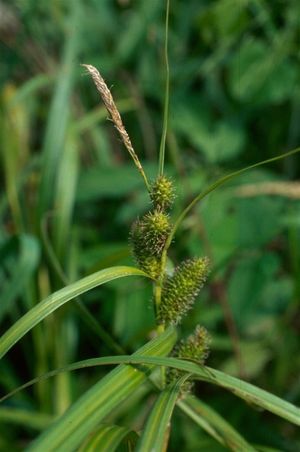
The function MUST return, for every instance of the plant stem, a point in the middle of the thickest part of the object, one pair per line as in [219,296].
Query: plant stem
[157,300]
[160,326]
[167,96]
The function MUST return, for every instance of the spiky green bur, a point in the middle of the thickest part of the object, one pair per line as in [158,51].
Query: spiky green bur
[150,264]
[148,237]
[149,234]
[181,289]
[162,193]
[196,348]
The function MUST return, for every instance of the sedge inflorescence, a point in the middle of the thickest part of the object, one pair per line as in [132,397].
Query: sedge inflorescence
[196,348]
[181,289]
[149,234]
[148,237]
[178,291]
[162,193]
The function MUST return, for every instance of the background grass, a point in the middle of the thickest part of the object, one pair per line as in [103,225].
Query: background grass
[70,194]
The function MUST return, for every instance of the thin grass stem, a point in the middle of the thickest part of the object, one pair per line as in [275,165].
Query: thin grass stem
[167,97]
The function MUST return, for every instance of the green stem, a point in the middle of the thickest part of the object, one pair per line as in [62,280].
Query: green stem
[157,300]
[159,283]
[167,96]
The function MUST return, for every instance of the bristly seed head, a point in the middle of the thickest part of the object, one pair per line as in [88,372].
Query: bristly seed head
[181,289]
[148,237]
[162,193]
[149,234]
[150,264]
[196,348]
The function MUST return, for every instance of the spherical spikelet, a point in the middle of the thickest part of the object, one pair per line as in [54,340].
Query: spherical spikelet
[147,238]
[181,289]
[162,193]
[156,228]
[149,234]
[151,265]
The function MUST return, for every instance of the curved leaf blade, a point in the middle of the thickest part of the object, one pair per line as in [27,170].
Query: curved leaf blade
[156,432]
[68,432]
[60,110]
[32,419]
[108,438]
[240,388]
[217,184]
[214,424]
[24,265]
[59,298]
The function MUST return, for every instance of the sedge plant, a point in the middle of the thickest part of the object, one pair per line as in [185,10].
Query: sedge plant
[166,366]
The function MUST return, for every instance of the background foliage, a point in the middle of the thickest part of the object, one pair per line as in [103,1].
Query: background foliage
[70,194]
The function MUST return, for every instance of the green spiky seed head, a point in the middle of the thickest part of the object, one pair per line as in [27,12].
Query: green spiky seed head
[149,234]
[196,348]
[162,193]
[151,265]
[181,289]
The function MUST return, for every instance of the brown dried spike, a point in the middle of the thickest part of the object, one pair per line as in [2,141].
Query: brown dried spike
[115,115]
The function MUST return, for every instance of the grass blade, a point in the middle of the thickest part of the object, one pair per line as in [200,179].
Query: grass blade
[203,423]
[156,432]
[35,420]
[108,438]
[73,427]
[242,389]
[22,269]
[217,184]
[14,150]
[214,424]
[59,111]
[65,195]
[85,314]
[57,299]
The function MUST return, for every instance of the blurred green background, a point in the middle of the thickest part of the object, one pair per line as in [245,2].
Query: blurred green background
[70,193]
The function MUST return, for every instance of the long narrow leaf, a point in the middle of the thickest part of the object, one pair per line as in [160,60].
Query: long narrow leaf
[57,299]
[217,184]
[31,419]
[65,194]
[108,438]
[214,424]
[75,425]
[155,435]
[21,270]
[240,388]
[59,111]
[203,423]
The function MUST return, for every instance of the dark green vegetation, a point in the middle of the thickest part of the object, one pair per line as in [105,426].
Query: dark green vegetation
[70,194]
